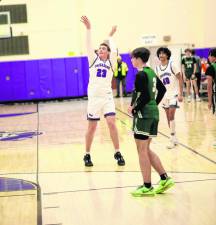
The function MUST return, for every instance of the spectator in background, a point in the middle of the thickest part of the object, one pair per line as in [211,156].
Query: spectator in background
[120,74]
[204,65]
[189,70]
[198,68]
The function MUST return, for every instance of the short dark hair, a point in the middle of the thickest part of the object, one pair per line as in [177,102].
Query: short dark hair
[212,52]
[165,50]
[108,47]
[188,50]
[193,51]
[142,53]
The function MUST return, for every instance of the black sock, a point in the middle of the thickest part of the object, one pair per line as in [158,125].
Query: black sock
[163,176]
[147,185]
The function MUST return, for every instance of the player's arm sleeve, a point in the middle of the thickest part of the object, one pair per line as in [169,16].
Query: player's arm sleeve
[90,51]
[141,86]
[161,90]
[134,96]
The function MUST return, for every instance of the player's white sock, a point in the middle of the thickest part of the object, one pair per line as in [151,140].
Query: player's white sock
[172,127]
[173,132]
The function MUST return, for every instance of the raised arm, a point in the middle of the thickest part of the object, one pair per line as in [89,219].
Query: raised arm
[90,50]
[113,31]
[113,55]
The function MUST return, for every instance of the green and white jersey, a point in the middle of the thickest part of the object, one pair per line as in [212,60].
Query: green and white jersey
[189,63]
[148,79]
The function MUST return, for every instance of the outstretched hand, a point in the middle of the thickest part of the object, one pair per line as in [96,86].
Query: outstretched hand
[113,30]
[86,22]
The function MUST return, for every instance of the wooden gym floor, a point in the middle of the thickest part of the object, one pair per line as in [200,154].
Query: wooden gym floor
[44,145]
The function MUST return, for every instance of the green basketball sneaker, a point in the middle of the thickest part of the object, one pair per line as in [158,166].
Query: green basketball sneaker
[164,185]
[143,191]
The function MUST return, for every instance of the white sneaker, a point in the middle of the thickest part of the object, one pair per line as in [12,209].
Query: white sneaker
[171,145]
[198,99]
[173,142]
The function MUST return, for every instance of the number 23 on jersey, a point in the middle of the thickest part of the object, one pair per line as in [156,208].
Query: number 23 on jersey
[101,73]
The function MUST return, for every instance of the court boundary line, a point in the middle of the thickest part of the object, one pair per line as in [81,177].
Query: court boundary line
[9,196]
[190,149]
[118,187]
[51,207]
[39,196]
[183,145]
[106,171]
[104,188]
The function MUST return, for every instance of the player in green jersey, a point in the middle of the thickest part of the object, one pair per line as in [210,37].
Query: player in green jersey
[145,122]
[189,69]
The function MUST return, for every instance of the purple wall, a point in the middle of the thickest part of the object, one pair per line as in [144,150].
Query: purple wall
[131,72]
[53,78]
[43,79]
[49,78]
[202,52]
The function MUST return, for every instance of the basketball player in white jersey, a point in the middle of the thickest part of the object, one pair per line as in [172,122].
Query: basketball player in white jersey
[172,79]
[100,97]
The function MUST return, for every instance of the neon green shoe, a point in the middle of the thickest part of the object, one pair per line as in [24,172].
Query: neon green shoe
[164,185]
[143,191]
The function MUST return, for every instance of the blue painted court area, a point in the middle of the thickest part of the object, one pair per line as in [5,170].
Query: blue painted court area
[18,135]
[15,114]
[11,184]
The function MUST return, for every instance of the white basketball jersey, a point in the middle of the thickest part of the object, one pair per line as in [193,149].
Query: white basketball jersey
[101,72]
[100,79]
[167,75]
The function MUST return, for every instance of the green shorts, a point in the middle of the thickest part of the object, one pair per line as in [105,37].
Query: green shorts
[145,126]
[190,76]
